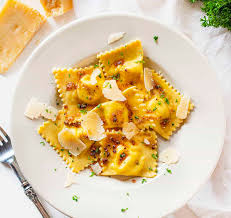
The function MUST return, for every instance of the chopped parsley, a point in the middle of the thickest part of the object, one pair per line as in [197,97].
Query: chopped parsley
[162,95]
[116,76]
[154,156]
[83,111]
[176,100]
[127,194]
[122,155]
[69,153]
[155,38]
[166,100]
[96,65]
[141,61]
[106,85]
[121,53]
[159,103]
[89,158]
[108,62]
[100,76]
[154,108]
[169,171]
[55,169]
[143,181]
[75,198]
[124,210]
[47,110]
[136,117]
[150,168]
[69,75]
[62,149]
[110,86]
[92,174]
[42,143]
[98,106]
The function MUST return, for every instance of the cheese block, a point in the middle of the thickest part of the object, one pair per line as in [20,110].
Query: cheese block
[18,24]
[56,7]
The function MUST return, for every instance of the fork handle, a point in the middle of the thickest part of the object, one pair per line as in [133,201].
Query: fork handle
[28,188]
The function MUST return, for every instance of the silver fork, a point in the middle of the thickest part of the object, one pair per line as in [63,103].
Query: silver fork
[7,157]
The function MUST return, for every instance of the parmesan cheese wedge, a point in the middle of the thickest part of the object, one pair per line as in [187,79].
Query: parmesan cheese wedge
[182,109]
[93,125]
[115,37]
[169,156]
[36,109]
[56,7]
[97,169]
[148,80]
[68,138]
[111,91]
[18,24]
[129,130]
[69,180]
[94,75]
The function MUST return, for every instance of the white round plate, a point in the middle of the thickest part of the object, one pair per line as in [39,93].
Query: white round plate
[199,141]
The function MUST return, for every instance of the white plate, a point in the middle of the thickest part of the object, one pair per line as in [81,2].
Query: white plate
[199,141]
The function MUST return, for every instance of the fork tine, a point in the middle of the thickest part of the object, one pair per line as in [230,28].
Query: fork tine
[4,133]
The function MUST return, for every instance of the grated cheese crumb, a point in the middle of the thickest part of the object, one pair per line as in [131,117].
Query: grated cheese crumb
[146,142]
[94,75]
[36,109]
[115,37]
[129,130]
[169,156]
[93,125]
[111,91]
[148,80]
[69,180]
[97,169]
[182,109]
[69,139]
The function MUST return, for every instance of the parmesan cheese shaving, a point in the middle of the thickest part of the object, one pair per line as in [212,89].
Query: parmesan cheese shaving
[97,169]
[112,92]
[115,37]
[69,180]
[93,125]
[36,109]
[129,130]
[148,80]
[69,139]
[169,156]
[182,109]
[146,142]
[94,75]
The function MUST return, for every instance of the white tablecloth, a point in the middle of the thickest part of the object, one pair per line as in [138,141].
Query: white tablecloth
[214,198]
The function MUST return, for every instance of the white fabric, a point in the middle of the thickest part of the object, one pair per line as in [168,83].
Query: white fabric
[214,198]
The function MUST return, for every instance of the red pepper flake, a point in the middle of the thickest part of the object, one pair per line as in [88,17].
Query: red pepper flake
[70,86]
[164,122]
[119,62]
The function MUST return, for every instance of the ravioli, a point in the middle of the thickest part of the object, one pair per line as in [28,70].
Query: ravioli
[124,64]
[50,130]
[77,92]
[120,156]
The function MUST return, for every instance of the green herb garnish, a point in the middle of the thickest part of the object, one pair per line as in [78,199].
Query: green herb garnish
[136,117]
[166,100]
[96,65]
[169,171]
[155,156]
[143,181]
[155,38]
[159,103]
[98,106]
[83,111]
[75,198]
[150,168]
[154,108]
[42,143]
[124,210]
[100,76]
[142,61]
[92,174]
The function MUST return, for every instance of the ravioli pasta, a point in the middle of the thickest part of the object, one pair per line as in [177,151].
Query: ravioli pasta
[148,111]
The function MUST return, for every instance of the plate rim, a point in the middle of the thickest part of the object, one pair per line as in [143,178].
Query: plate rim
[144,18]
